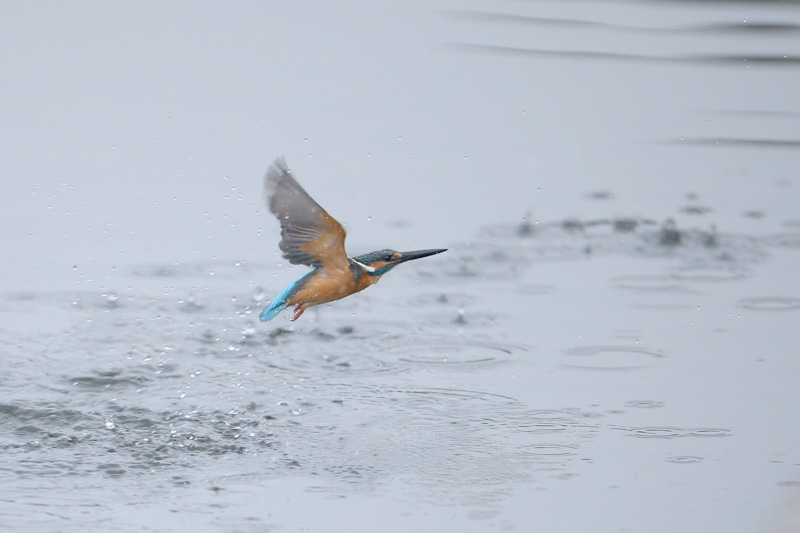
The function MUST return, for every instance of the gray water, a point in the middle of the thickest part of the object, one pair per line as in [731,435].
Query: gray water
[610,344]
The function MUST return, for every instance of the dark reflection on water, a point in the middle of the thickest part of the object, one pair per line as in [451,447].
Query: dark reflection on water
[731,40]
[758,113]
[770,303]
[740,60]
[731,2]
[735,28]
[739,143]
[766,28]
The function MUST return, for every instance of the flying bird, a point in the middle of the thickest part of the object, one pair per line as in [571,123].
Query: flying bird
[310,236]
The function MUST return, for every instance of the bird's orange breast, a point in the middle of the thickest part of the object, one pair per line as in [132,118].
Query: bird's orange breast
[329,285]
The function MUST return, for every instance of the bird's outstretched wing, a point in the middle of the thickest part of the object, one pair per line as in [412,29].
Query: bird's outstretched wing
[309,235]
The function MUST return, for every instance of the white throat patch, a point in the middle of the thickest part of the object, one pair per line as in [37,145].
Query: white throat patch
[362,265]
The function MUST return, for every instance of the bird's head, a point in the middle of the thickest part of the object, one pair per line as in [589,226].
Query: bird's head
[380,262]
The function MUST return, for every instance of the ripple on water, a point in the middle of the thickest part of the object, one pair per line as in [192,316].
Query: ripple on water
[318,360]
[673,432]
[684,459]
[360,364]
[452,353]
[559,422]
[708,432]
[377,349]
[644,404]
[551,415]
[710,273]
[549,452]
[46,414]
[770,303]
[435,394]
[109,380]
[613,358]
[448,435]
[656,432]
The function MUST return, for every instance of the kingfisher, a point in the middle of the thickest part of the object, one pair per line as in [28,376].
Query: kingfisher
[310,236]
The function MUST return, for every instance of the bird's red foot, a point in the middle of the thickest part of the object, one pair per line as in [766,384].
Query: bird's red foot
[297,312]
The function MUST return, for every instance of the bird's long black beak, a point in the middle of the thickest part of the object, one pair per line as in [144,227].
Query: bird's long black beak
[417,254]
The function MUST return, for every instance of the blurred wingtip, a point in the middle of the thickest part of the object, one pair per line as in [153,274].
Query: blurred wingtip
[277,170]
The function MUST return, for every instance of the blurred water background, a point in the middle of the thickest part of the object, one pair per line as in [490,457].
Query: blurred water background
[609,345]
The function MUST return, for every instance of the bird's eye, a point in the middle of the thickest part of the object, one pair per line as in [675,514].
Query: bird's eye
[388,257]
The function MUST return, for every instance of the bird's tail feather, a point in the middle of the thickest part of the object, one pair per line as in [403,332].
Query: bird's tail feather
[282,300]
[272,311]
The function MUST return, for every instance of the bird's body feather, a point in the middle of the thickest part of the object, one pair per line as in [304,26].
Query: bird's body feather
[328,284]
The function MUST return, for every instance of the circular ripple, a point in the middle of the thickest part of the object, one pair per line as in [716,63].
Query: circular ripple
[429,396]
[356,365]
[469,353]
[551,414]
[684,459]
[711,273]
[770,303]
[549,450]
[656,433]
[544,428]
[619,358]
[546,421]
[708,432]
[672,432]
[644,404]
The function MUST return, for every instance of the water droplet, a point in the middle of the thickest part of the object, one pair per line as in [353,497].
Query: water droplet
[259,295]
[111,300]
